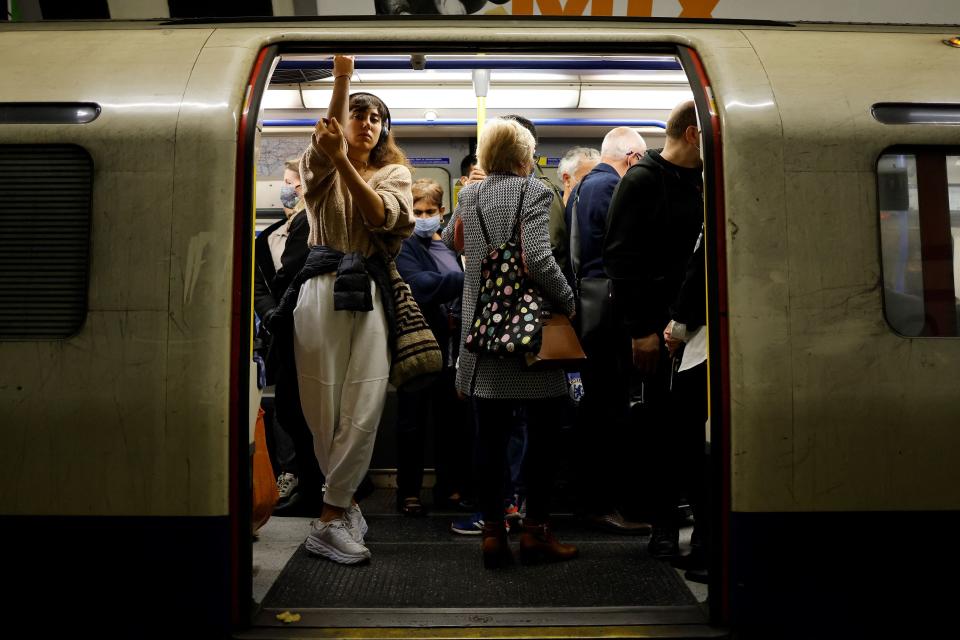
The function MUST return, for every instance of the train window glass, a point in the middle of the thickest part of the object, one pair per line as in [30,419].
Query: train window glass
[45,194]
[919,201]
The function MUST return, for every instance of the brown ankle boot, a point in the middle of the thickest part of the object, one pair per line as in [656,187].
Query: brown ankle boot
[538,544]
[495,547]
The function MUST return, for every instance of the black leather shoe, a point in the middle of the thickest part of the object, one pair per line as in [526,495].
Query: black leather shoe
[697,575]
[665,543]
[694,561]
[614,522]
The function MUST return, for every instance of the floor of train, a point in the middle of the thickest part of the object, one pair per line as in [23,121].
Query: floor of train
[421,574]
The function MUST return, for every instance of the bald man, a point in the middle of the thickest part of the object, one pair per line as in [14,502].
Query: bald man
[603,415]
[622,148]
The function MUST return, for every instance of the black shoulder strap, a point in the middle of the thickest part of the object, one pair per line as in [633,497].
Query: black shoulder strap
[575,233]
[516,216]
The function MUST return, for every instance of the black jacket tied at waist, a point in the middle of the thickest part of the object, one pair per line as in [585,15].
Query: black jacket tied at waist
[351,288]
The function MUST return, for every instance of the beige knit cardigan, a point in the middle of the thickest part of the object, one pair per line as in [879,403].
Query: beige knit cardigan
[335,222]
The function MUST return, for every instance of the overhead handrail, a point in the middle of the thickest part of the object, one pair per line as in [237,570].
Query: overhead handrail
[469,122]
[487,63]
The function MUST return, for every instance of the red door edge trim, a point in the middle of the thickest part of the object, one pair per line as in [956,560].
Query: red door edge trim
[238,417]
[720,263]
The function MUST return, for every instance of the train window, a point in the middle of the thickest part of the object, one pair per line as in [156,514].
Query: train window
[45,193]
[919,201]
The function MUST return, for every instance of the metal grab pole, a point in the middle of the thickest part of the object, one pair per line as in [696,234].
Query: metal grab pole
[481,85]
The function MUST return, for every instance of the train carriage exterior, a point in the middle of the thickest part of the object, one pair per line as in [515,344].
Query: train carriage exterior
[125,437]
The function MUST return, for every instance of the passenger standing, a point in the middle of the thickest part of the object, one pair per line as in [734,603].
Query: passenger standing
[686,340]
[495,385]
[575,163]
[435,276]
[357,192]
[281,250]
[606,474]
[655,216]
[558,228]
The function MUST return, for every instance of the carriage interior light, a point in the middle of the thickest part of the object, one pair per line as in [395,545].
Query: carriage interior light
[414,97]
[430,115]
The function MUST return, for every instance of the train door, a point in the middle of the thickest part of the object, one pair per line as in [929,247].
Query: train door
[573,101]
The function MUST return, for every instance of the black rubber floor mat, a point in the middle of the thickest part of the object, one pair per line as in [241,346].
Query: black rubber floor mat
[418,563]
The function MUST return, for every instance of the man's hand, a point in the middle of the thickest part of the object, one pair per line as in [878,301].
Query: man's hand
[476,175]
[646,354]
[342,66]
[672,343]
[329,137]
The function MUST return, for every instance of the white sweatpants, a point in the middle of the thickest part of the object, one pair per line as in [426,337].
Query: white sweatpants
[343,364]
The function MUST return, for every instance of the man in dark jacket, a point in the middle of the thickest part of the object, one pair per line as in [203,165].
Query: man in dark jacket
[655,217]
[602,416]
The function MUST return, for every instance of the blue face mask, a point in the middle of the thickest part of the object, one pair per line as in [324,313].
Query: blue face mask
[426,227]
[288,196]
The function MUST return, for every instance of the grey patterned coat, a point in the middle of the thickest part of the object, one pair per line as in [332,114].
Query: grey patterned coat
[504,377]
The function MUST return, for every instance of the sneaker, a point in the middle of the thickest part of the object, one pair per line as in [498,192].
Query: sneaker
[356,523]
[333,540]
[286,485]
[472,526]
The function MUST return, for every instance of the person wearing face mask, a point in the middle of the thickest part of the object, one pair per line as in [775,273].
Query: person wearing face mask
[435,276]
[654,219]
[280,252]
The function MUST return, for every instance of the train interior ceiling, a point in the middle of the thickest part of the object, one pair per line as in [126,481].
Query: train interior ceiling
[573,101]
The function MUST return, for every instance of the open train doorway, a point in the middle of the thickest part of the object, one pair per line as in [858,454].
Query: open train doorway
[425,567]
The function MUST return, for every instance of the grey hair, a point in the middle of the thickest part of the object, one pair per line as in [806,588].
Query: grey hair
[618,142]
[572,160]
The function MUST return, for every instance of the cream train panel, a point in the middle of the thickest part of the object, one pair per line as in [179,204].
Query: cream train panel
[201,274]
[83,417]
[872,418]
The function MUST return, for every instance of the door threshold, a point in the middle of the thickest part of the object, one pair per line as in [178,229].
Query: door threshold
[539,617]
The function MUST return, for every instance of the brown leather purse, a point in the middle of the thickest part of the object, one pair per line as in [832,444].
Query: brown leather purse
[559,349]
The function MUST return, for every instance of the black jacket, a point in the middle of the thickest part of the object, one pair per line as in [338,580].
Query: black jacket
[690,307]
[268,283]
[655,216]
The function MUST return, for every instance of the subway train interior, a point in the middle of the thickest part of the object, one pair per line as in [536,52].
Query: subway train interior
[148,154]
[419,566]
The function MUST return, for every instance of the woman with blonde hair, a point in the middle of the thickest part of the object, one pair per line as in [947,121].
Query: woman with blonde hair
[357,193]
[496,385]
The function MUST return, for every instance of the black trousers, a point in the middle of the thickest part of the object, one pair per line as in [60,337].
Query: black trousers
[290,416]
[495,421]
[673,423]
[439,407]
[602,430]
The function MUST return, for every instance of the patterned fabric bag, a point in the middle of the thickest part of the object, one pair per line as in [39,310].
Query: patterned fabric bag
[507,320]
[416,356]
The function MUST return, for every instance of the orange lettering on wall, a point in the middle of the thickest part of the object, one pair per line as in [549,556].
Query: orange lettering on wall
[698,8]
[568,8]
[640,8]
[522,7]
[601,8]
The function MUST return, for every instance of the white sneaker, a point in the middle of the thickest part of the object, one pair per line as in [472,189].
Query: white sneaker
[356,523]
[286,485]
[332,540]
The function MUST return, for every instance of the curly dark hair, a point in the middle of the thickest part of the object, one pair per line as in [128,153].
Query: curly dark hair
[386,150]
